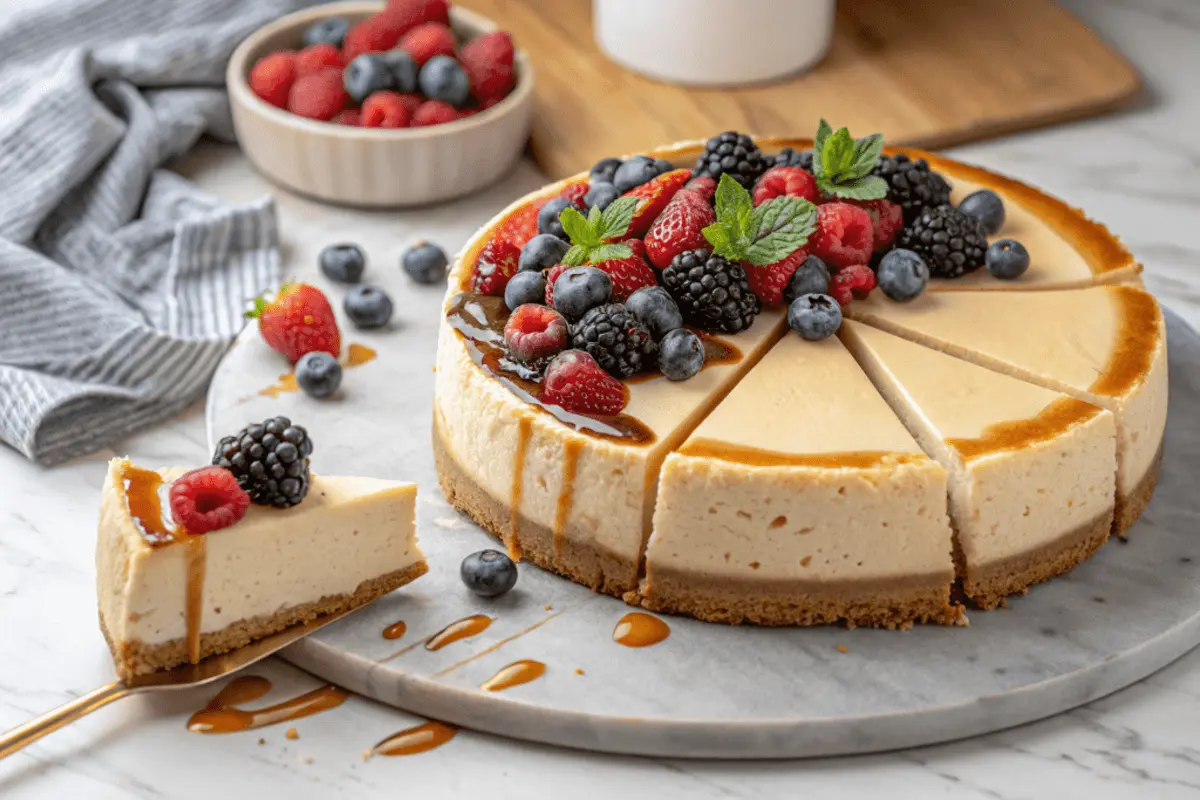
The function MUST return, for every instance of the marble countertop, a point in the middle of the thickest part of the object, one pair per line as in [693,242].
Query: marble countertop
[1139,172]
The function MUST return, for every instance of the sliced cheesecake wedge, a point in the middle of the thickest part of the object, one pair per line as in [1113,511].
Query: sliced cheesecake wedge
[802,500]
[167,597]
[1032,471]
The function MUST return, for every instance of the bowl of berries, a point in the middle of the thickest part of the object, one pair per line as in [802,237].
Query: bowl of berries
[365,104]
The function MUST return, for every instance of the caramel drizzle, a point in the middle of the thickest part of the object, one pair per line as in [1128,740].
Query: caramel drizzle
[636,629]
[222,715]
[418,739]
[395,630]
[512,543]
[457,631]
[566,495]
[1056,418]
[757,457]
[514,674]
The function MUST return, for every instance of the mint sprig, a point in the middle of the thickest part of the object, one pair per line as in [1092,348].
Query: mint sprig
[759,236]
[592,237]
[842,164]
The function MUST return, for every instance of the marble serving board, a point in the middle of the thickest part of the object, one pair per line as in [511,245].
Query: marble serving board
[711,690]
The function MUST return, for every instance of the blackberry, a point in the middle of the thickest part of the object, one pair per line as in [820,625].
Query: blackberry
[789,157]
[912,185]
[734,154]
[618,340]
[712,293]
[952,242]
[269,460]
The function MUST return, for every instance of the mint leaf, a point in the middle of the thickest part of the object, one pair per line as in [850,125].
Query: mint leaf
[732,199]
[782,227]
[871,187]
[576,256]
[616,219]
[824,131]
[837,155]
[719,237]
[842,165]
[609,252]
[578,228]
[866,155]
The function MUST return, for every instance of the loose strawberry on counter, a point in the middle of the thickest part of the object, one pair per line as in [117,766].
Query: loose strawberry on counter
[296,321]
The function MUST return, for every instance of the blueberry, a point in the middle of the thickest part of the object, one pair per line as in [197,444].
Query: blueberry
[580,289]
[634,173]
[327,31]
[343,263]
[655,307]
[365,75]
[604,170]
[985,206]
[525,287]
[425,263]
[403,68]
[548,221]
[811,277]
[680,354]
[600,195]
[488,573]
[443,78]
[662,165]
[1007,259]
[815,316]
[902,275]
[368,306]
[542,252]
[318,375]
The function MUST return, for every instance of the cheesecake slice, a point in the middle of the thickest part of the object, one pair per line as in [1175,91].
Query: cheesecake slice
[1104,345]
[1032,471]
[167,597]
[802,500]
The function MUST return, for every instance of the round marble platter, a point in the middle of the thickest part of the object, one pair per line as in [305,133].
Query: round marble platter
[714,691]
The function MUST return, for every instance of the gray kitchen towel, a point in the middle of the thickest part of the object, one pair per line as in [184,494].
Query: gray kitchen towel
[120,283]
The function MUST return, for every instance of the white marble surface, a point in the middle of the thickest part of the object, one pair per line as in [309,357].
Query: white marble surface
[1138,172]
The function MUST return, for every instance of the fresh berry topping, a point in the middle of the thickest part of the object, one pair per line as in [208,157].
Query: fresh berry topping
[373,35]
[542,252]
[318,96]
[785,182]
[433,112]
[207,499]
[733,154]
[844,235]
[902,275]
[604,170]
[654,306]
[680,355]
[951,242]
[298,320]
[365,75]
[549,216]
[887,219]
[815,316]
[488,573]
[442,78]
[523,288]
[575,382]
[712,292]
[770,281]
[343,263]
[702,185]
[497,263]
[912,185]
[679,227]
[1007,259]
[811,277]
[985,206]
[488,62]
[575,192]
[534,333]
[408,14]
[789,157]
[404,76]
[627,274]
[425,263]
[522,224]
[385,109]
[618,340]
[843,165]
[428,40]
[852,283]
[351,117]
[600,195]
[367,306]
[327,31]
[318,374]
[634,172]
[272,77]
[576,290]
[317,57]
[269,461]
[652,197]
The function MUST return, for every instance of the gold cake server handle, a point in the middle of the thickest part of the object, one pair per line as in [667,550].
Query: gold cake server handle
[35,729]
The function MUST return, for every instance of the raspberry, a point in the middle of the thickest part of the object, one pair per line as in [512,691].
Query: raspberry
[408,14]
[497,263]
[575,382]
[770,280]
[319,96]
[488,61]
[434,112]
[207,499]
[844,235]
[426,41]
[852,283]
[535,332]
[272,77]
[679,227]
[351,117]
[702,185]
[373,35]
[412,101]
[312,60]
[785,182]
[384,110]
[653,197]
[887,219]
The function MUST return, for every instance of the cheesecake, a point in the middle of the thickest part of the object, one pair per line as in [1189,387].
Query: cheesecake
[169,597]
[1031,471]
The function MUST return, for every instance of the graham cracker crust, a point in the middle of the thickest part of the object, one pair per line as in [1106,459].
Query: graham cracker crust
[137,658]
[1129,508]
[597,568]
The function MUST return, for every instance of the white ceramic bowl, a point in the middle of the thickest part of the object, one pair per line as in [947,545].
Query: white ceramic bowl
[375,166]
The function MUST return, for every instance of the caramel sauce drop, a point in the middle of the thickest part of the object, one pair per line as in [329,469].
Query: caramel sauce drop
[419,739]
[286,383]
[636,629]
[514,675]
[145,504]
[222,714]
[456,631]
[359,354]
[356,355]
[395,630]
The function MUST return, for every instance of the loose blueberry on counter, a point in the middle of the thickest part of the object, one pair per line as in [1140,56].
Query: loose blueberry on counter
[443,78]
[985,206]
[542,252]
[318,374]
[580,289]
[403,68]
[604,170]
[600,195]
[525,287]
[548,221]
[680,354]
[327,31]
[634,173]
[811,277]
[815,316]
[902,275]
[343,263]
[655,307]
[1007,259]
[488,573]
[368,306]
[365,75]
[425,263]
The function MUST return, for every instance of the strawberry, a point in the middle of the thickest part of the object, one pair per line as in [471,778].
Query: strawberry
[769,281]
[384,109]
[785,182]
[888,219]
[272,77]
[521,225]
[488,62]
[575,192]
[679,227]
[844,236]
[551,277]
[852,283]
[408,14]
[433,112]
[298,320]
[207,499]
[317,57]
[318,96]
[653,197]
[535,332]
[576,383]
[497,263]
[627,274]
[428,40]
[702,185]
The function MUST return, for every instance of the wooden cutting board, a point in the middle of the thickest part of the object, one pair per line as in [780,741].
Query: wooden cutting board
[925,72]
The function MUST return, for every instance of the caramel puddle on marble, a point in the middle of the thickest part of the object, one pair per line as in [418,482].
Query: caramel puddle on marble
[636,629]
[456,631]
[514,675]
[356,355]
[222,714]
[410,741]
[395,630]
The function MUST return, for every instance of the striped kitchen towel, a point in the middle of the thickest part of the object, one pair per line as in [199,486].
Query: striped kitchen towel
[120,283]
